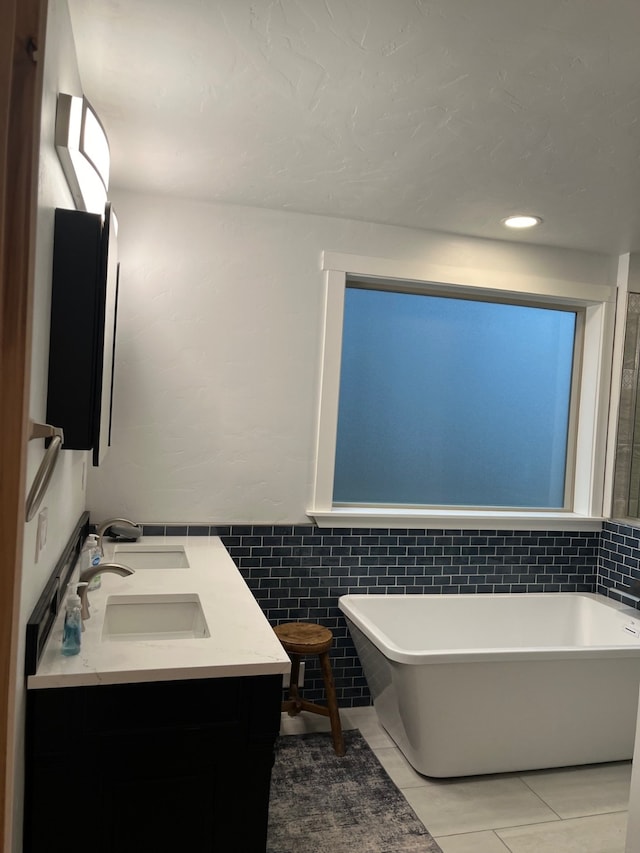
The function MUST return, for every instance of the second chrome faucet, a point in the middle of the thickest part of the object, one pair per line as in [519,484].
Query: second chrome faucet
[124,527]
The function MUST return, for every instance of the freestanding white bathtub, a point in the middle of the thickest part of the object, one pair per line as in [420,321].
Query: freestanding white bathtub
[469,684]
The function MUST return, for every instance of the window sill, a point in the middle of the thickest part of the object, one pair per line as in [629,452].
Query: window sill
[385,517]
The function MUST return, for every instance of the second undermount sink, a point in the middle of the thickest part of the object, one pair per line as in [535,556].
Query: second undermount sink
[175,616]
[151,556]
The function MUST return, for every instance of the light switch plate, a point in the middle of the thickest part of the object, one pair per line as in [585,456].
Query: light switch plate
[41,534]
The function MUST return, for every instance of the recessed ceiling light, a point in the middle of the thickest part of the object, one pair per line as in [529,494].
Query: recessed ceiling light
[521,221]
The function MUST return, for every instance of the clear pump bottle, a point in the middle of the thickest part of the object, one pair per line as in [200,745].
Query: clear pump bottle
[91,557]
[72,632]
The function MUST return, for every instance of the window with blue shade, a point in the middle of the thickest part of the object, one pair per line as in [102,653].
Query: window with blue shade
[453,402]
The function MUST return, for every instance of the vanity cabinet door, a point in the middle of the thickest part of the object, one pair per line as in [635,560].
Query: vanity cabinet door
[164,767]
[160,791]
[186,791]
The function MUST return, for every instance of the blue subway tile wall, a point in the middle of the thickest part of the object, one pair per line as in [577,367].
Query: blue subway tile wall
[298,572]
[619,562]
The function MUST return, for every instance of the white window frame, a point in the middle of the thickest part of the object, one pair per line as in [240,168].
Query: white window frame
[587,511]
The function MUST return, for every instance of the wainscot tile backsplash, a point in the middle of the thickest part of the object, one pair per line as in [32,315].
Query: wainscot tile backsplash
[299,572]
[618,562]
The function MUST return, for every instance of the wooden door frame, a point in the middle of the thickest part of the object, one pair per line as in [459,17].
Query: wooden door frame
[22,38]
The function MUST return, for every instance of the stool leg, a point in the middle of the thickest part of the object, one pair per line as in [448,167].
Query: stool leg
[294,704]
[332,704]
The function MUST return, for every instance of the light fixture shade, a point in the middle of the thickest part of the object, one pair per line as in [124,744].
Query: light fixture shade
[83,149]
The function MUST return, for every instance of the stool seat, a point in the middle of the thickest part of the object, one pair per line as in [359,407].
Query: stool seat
[306,638]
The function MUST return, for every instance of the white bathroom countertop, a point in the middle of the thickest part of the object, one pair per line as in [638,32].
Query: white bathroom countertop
[241,641]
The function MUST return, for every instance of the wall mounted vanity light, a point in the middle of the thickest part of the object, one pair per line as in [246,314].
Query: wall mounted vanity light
[83,149]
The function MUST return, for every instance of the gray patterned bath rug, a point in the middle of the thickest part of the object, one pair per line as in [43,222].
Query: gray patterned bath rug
[326,804]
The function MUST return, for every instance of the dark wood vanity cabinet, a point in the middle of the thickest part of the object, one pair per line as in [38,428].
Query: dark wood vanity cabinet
[161,766]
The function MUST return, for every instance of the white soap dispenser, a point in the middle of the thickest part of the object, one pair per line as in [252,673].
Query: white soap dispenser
[92,557]
[85,554]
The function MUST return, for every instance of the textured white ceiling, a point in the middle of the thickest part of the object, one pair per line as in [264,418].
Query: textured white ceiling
[436,114]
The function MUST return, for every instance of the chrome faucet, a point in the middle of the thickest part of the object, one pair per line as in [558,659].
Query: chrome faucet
[88,574]
[104,525]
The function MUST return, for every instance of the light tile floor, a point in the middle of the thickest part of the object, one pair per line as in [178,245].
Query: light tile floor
[568,810]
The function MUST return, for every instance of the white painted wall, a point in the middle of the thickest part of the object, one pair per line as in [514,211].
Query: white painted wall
[65,497]
[218,350]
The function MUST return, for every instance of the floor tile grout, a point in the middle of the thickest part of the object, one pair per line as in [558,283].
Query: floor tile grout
[440,838]
[542,800]
[503,842]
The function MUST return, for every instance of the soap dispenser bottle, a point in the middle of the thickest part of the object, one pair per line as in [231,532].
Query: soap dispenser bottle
[72,632]
[92,557]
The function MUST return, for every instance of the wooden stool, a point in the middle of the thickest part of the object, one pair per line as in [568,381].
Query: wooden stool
[304,638]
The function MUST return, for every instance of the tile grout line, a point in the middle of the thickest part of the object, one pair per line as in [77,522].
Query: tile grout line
[503,842]
[472,832]
[546,823]
[536,794]
[419,783]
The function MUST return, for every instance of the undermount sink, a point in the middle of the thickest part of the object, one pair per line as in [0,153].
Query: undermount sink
[176,616]
[151,556]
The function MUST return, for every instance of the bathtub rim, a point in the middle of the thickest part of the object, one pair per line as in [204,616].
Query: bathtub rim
[397,654]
